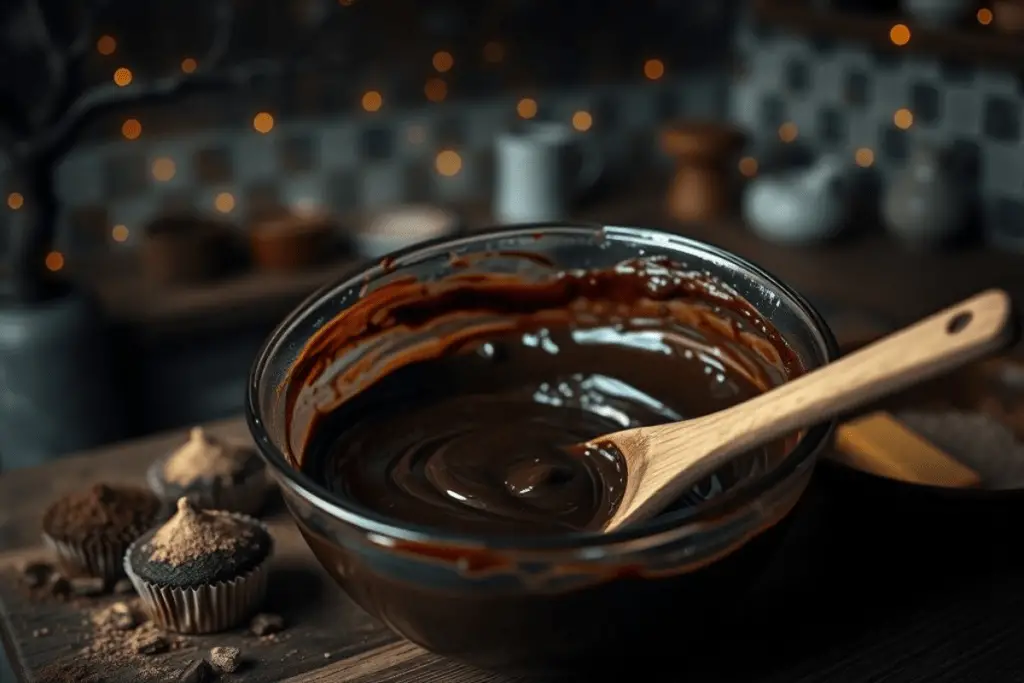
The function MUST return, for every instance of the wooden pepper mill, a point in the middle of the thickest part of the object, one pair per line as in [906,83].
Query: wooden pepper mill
[701,189]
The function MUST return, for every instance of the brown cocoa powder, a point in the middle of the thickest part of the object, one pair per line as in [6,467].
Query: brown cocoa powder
[193,533]
[108,510]
[205,457]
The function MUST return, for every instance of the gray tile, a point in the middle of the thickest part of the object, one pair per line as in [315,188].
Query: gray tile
[1002,170]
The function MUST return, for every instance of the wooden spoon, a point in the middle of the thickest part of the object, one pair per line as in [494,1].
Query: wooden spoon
[664,461]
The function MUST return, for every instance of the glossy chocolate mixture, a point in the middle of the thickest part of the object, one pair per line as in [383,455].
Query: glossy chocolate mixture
[454,404]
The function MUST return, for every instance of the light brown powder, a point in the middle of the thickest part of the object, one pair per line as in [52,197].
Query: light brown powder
[205,457]
[192,533]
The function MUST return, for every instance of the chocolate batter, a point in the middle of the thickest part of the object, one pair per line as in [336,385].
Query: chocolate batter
[460,400]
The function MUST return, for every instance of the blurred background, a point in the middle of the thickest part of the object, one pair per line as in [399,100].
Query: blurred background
[177,176]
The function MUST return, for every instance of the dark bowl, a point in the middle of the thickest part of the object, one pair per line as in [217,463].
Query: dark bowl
[548,603]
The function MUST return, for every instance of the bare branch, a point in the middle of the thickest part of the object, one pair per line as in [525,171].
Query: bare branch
[82,43]
[56,62]
[110,96]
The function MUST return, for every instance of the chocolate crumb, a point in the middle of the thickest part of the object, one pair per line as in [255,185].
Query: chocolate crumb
[87,586]
[36,574]
[195,671]
[266,624]
[193,533]
[205,457]
[123,587]
[59,586]
[120,616]
[225,659]
[149,643]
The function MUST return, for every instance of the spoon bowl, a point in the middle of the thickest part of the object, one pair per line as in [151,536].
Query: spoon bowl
[664,461]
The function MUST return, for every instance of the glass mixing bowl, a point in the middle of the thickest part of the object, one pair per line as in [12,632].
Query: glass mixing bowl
[552,602]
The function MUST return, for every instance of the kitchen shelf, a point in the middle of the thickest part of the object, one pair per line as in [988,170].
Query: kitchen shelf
[982,45]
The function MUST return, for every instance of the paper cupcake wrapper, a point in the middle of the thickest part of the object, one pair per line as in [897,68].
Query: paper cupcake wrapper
[203,609]
[98,558]
[246,497]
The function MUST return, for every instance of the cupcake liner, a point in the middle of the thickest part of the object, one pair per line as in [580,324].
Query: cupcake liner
[208,608]
[101,558]
[246,497]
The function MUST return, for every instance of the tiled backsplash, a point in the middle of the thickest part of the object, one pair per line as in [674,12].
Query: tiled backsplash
[356,162]
[843,97]
[449,75]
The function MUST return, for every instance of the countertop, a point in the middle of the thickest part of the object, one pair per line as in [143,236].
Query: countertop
[874,582]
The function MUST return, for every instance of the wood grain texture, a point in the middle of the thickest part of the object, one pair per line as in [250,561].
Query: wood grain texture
[875,582]
[665,460]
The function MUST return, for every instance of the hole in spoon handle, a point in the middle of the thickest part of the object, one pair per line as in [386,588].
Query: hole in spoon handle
[959,322]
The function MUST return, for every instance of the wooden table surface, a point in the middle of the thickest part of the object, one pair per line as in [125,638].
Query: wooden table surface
[873,584]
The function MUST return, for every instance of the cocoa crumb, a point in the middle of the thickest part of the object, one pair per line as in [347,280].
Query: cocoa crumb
[102,509]
[266,624]
[59,586]
[87,586]
[192,533]
[195,671]
[149,643]
[36,574]
[225,659]
[205,457]
[119,616]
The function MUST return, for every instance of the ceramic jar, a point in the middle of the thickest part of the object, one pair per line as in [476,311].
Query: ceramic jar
[925,205]
[799,207]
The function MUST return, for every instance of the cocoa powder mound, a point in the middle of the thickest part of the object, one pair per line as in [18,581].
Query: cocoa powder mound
[103,509]
[193,533]
[205,457]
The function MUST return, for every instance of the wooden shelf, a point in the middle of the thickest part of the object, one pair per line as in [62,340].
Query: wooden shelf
[982,45]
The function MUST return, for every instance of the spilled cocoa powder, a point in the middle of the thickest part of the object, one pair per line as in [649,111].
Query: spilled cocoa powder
[193,533]
[205,457]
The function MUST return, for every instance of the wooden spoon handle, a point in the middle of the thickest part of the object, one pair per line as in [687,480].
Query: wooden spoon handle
[940,343]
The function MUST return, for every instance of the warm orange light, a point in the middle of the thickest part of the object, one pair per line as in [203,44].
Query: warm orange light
[189,65]
[654,69]
[123,76]
[435,89]
[448,163]
[119,233]
[443,61]
[903,119]
[984,16]
[494,52]
[263,122]
[864,157]
[788,132]
[224,202]
[106,45]
[163,169]
[15,201]
[54,261]
[748,166]
[582,121]
[899,34]
[372,100]
[416,134]
[527,108]
[131,129]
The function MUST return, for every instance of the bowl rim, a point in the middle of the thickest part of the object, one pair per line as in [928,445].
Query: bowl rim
[388,529]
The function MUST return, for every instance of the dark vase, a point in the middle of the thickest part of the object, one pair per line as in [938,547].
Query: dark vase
[56,388]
